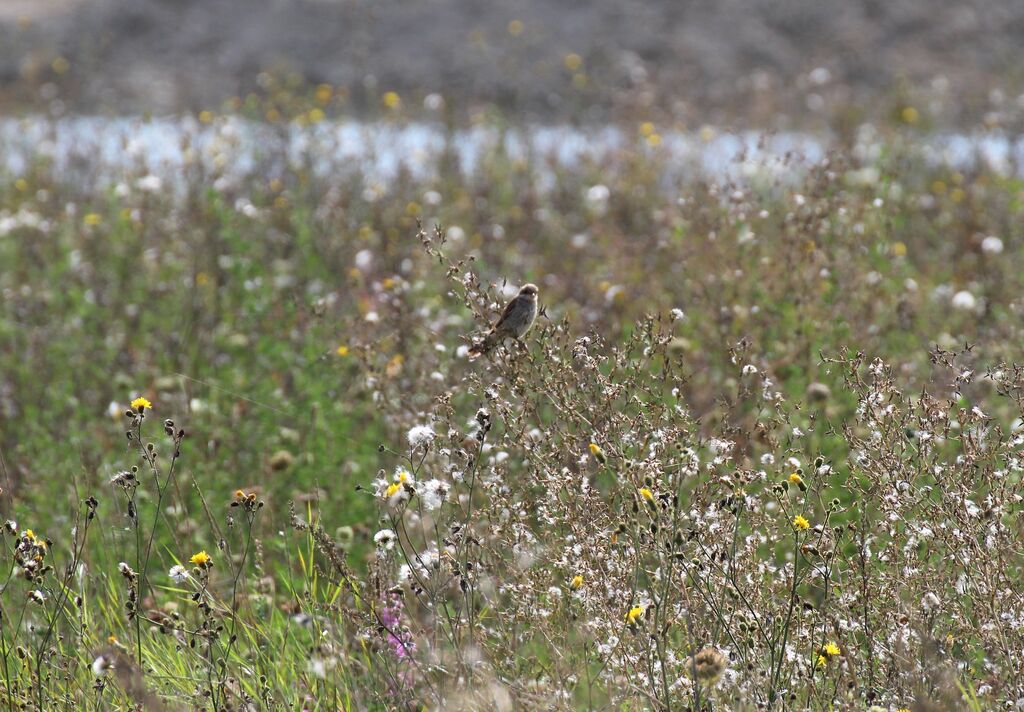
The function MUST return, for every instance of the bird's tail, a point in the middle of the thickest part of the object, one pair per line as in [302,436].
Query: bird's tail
[482,347]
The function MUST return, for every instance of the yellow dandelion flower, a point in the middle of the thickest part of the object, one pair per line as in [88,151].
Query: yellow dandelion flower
[899,249]
[402,476]
[205,116]
[92,219]
[392,488]
[141,403]
[391,100]
[394,366]
[239,494]
[795,479]
[647,494]
[822,661]
[323,94]
[597,452]
[910,115]
[576,583]
[112,639]
[634,615]
[800,523]
[831,650]
[201,559]
[342,350]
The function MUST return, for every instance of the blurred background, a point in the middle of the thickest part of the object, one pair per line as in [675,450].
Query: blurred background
[744,63]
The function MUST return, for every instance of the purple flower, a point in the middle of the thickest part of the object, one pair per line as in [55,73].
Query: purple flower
[398,637]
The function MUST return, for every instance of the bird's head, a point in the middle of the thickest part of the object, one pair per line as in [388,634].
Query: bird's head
[529,290]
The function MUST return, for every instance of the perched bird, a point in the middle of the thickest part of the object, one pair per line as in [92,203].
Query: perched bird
[514,322]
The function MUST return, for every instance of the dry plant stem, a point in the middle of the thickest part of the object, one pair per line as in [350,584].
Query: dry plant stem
[3,638]
[76,554]
[160,491]
[466,538]
[249,519]
[780,652]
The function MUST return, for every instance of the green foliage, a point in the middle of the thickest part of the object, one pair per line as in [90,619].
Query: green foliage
[294,325]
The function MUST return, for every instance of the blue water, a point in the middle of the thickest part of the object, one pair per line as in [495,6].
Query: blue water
[95,147]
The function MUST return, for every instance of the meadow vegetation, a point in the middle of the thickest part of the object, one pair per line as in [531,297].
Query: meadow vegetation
[763,450]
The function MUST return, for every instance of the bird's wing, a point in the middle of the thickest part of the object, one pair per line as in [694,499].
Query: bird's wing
[513,303]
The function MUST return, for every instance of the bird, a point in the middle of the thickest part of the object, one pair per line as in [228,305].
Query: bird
[514,322]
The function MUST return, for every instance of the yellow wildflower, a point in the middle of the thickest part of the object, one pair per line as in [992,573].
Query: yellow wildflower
[92,219]
[394,366]
[515,28]
[798,480]
[202,559]
[324,92]
[831,650]
[392,488]
[392,100]
[342,350]
[822,661]
[634,615]
[141,403]
[577,582]
[573,62]
[800,523]
[597,452]
[647,494]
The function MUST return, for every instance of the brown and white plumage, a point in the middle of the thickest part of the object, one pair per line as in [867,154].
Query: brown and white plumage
[516,319]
